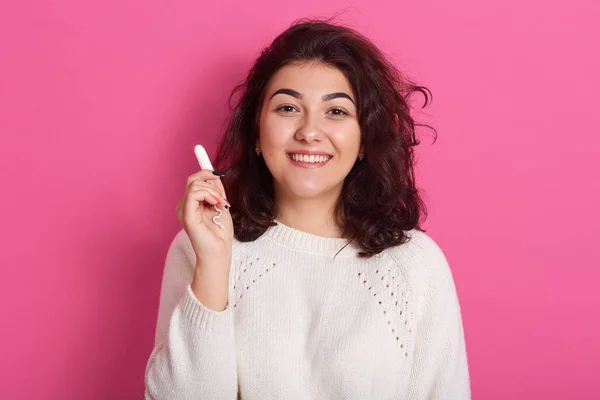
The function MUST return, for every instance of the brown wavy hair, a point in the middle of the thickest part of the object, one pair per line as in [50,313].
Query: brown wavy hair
[379,199]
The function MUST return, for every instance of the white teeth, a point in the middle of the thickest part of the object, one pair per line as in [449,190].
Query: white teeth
[309,159]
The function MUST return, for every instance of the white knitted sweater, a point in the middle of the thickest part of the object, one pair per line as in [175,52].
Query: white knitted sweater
[301,324]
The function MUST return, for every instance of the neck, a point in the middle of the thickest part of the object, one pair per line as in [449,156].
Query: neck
[314,215]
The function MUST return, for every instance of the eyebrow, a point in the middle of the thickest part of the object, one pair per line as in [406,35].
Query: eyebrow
[327,97]
[338,95]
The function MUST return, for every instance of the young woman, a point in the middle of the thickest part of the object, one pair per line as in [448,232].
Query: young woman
[320,284]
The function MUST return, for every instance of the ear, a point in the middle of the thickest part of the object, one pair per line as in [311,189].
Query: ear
[257,148]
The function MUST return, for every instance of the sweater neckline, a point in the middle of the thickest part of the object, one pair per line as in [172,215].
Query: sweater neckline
[305,242]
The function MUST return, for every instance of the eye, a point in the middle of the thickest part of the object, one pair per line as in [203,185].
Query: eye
[286,109]
[337,112]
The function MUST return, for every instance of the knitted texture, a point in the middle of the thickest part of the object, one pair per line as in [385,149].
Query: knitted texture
[303,324]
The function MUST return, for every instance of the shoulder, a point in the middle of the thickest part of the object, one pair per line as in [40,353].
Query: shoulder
[419,251]
[422,263]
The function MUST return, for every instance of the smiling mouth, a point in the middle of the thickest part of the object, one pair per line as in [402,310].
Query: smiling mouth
[309,159]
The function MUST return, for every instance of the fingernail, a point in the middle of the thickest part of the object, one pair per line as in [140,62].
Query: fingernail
[217,173]
[226,202]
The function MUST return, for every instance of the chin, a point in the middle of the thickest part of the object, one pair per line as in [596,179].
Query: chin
[297,189]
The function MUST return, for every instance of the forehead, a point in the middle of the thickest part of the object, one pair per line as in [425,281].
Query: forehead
[310,79]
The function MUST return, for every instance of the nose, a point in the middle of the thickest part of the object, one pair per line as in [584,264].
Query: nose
[309,131]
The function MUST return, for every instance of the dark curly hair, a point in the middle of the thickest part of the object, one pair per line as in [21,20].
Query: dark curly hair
[379,199]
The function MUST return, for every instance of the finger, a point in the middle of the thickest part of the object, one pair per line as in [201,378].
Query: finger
[210,206]
[215,180]
[202,175]
[199,185]
[212,189]
[207,176]
[218,183]
[196,199]
[206,197]
[181,206]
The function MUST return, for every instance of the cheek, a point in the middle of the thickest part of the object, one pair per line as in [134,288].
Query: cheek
[347,142]
[275,131]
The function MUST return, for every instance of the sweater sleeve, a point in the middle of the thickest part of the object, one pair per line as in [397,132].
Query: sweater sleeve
[440,369]
[194,354]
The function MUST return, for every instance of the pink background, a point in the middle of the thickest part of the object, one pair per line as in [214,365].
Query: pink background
[101,103]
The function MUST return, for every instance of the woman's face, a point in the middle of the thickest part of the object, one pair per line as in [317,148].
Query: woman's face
[309,131]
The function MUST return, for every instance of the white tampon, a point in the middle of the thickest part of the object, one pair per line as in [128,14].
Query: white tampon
[202,157]
[204,161]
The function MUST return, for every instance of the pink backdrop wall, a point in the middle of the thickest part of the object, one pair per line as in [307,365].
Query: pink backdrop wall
[102,101]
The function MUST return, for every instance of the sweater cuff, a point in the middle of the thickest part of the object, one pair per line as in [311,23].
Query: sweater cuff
[206,319]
